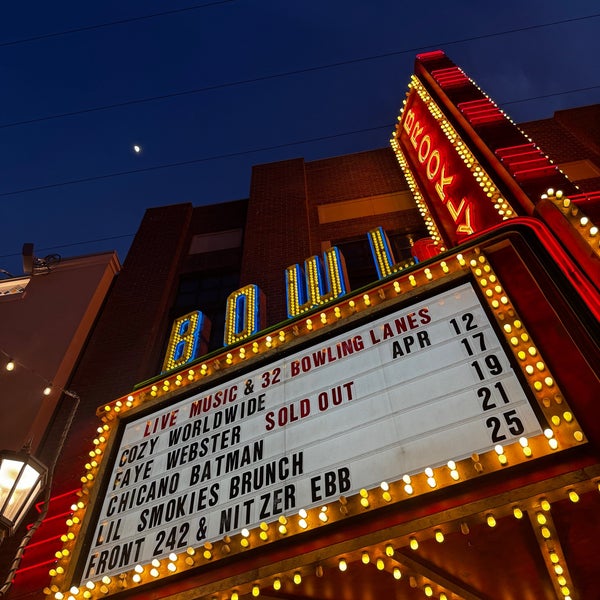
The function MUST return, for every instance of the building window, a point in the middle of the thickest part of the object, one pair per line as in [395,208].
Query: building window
[360,265]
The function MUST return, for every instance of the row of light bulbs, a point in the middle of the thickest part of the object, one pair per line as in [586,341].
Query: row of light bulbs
[12,364]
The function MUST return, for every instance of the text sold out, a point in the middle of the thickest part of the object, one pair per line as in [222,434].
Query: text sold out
[301,409]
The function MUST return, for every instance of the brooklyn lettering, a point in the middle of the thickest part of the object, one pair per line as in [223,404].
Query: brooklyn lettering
[436,170]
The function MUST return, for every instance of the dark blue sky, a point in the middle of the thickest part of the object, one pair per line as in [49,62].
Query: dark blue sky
[227,42]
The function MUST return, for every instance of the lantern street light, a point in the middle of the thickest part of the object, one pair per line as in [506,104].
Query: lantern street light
[22,478]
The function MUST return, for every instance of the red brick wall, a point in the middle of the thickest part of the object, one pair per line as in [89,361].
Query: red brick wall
[276,230]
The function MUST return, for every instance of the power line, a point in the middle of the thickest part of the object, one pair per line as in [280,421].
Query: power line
[193,161]
[313,69]
[563,93]
[81,243]
[45,36]
[250,151]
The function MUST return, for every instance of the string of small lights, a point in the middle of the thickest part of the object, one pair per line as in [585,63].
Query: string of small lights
[47,387]
[315,68]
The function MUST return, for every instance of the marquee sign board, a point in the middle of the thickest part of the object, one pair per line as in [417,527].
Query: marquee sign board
[402,392]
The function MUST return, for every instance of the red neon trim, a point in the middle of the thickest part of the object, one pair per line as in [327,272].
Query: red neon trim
[532,162]
[43,541]
[431,55]
[537,172]
[509,150]
[585,197]
[36,566]
[571,270]
[509,160]
[48,519]
[449,76]
[75,493]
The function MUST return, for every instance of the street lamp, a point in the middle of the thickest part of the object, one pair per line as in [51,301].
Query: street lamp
[22,477]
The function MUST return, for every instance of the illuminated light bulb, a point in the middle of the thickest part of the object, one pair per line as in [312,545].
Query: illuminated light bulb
[565,591]
[567,416]
[154,572]
[323,318]
[439,536]
[277,584]
[558,569]
[365,558]
[342,565]
[367,300]
[235,596]
[301,513]
[389,550]
[309,324]
[364,498]
[428,591]
[414,544]
[255,591]
[297,578]
[380,564]
[491,521]
[47,390]
[546,533]
[302,523]
[10,365]
[545,504]
[554,557]
[517,512]
[323,515]
[578,435]
[269,341]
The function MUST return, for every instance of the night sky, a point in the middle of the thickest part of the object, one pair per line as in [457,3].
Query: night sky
[209,90]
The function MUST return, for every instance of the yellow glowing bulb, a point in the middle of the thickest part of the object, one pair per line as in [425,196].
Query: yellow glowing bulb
[491,521]
[297,578]
[255,591]
[573,496]
[397,573]
[342,565]
[414,544]
[439,536]
[365,558]
[277,584]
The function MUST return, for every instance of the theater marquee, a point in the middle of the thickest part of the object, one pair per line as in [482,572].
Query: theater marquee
[427,380]
[395,396]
